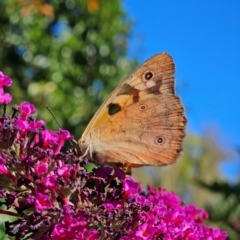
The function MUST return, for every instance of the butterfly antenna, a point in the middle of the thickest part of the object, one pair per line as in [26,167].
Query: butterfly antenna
[58,123]
[53,115]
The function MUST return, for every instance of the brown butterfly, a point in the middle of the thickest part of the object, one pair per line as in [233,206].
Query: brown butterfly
[141,123]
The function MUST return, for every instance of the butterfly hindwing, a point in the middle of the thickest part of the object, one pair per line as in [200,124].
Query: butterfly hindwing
[149,132]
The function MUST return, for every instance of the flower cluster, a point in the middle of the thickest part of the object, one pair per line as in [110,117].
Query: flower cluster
[5,98]
[53,196]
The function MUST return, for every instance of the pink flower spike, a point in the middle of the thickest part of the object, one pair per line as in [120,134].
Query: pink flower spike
[5,80]
[5,98]
[27,109]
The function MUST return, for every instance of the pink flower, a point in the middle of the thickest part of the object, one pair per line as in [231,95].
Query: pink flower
[63,136]
[41,169]
[25,126]
[130,187]
[5,80]
[49,137]
[27,109]
[42,202]
[50,181]
[144,232]
[64,171]
[3,169]
[5,98]
[218,234]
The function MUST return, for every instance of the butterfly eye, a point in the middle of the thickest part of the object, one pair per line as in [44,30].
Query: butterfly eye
[142,107]
[159,140]
[148,76]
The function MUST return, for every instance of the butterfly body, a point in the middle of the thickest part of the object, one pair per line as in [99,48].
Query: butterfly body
[141,123]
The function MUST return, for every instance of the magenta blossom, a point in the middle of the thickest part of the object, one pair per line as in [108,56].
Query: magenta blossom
[41,169]
[51,181]
[27,109]
[63,136]
[42,202]
[5,80]
[5,98]
[49,138]
[31,126]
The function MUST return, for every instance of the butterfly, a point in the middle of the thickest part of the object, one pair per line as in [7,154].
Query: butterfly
[141,123]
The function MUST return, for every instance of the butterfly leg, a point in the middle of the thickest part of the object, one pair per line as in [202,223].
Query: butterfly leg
[127,169]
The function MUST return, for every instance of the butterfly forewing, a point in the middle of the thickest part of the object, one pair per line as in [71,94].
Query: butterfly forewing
[137,87]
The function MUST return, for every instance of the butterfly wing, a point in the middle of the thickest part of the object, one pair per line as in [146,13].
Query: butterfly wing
[154,77]
[142,122]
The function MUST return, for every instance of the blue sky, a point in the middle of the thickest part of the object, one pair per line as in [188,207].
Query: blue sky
[204,39]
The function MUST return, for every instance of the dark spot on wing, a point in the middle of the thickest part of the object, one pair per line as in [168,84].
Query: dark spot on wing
[127,89]
[148,75]
[113,108]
